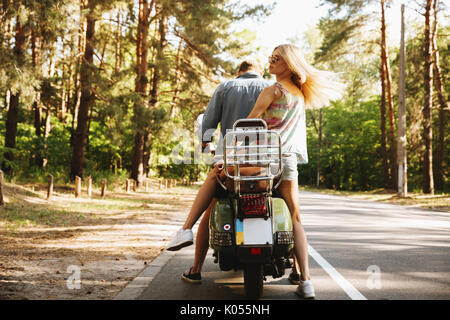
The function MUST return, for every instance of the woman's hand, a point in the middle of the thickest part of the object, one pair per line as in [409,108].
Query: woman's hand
[218,166]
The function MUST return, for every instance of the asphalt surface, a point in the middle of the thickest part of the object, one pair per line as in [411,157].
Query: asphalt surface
[359,250]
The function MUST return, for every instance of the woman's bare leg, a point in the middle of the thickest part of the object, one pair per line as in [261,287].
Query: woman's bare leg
[202,241]
[289,192]
[295,266]
[202,199]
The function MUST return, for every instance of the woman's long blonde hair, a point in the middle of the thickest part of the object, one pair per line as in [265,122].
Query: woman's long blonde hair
[318,87]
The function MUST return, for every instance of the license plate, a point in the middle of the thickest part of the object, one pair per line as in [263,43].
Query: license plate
[254,231]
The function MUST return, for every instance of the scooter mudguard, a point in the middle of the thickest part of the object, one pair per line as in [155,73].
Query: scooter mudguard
[281,215]
[221,225]
[283,231]
[221,218]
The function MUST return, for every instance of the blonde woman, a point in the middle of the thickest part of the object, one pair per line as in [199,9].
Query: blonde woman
[282,105]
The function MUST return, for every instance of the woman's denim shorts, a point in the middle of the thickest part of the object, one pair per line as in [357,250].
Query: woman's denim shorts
[290,171]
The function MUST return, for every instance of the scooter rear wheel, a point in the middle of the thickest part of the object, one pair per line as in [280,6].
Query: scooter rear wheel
[226,262]
[253,280]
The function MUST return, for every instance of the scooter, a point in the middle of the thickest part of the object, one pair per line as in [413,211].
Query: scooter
[250,224]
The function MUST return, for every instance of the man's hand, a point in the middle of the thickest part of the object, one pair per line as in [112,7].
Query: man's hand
[208,148]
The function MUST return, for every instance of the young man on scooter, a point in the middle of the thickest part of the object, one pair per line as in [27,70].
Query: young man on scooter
[232,100]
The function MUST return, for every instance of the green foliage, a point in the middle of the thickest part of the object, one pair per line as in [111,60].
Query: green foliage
[350,147]
[49,69]
[202,49]
[350,156]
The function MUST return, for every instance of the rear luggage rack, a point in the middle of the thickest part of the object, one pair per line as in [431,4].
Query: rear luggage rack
[250,143]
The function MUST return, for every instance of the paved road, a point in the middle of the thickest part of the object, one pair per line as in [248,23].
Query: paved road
[358,250]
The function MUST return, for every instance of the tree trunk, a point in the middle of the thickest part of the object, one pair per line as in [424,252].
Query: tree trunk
[173,108]
[428,182]
[77,75]
[87,96]
[320,149]
[146,151]
[156,79]
[118,43]
[50,186]
[440,161]
[2,202]
[401,150]
[46,134]
[37,106]
[7,99]
[13,111]
[69,81]
[62,115]
[393,149]
[383,115]
[154,92]
[137,168]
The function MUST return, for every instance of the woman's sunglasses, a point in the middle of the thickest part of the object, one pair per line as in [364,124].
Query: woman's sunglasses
[273,59]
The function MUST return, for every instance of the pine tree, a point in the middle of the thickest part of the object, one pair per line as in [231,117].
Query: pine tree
[443,109]
[388,83]
[337,33]
[13,111]
[145,8]
[428,181]
[87,95]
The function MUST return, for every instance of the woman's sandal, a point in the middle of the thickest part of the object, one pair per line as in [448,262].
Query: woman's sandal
[192,277]
[294,278]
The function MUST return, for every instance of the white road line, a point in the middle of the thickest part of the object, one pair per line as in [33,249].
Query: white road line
[349,289]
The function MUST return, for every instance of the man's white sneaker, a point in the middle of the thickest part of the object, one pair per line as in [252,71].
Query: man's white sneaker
[305,290]
[182,238]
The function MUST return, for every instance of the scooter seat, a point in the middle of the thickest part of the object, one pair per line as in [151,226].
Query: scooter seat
[246,186]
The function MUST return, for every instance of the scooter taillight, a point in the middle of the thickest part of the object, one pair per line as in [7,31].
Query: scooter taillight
[255,251]
[253,205]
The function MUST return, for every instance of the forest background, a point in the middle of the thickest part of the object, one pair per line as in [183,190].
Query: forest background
[103,88]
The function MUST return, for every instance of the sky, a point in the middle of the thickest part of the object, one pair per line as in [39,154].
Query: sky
[291,18]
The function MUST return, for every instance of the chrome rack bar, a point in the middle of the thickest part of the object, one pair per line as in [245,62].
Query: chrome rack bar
[259,155]
[253,146]
[240,141]
[254,162]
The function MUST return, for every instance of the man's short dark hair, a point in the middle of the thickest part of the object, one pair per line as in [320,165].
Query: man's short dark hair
[247,65]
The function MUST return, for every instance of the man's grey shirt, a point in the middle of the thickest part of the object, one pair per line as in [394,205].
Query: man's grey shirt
[232,100]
